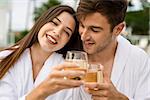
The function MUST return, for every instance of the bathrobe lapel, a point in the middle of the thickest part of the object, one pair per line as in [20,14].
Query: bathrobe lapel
[121,57]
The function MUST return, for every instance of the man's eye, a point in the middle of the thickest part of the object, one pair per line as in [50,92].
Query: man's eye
[82,25]
[95,30]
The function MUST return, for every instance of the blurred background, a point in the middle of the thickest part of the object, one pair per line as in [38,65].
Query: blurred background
[18,16]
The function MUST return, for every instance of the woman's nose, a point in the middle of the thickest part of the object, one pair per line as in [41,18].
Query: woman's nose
[57,31]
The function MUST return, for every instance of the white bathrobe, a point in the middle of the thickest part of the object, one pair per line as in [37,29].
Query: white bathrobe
[18,82]
[131,71]
[130,75]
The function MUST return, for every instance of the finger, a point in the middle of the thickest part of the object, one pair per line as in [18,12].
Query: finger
[98,86]
[98,98]
[90,85]
[67,73]
[65,65]
[67,83]
[101,93]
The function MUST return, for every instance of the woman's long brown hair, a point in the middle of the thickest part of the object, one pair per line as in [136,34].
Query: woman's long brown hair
[31,38]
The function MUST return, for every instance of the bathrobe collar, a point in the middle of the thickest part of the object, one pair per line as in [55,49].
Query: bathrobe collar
[121,57]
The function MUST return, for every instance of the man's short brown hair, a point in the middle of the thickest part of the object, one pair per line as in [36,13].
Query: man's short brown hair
[113,10]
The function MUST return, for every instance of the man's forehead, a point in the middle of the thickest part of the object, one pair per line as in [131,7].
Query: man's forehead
[94,19]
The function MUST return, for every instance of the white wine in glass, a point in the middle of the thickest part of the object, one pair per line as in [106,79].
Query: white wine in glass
[94,73]
[79,58]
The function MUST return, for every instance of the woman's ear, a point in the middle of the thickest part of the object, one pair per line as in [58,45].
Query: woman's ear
[118,28]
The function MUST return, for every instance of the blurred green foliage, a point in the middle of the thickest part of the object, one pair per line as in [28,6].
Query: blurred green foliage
[20,35]
[139,21]
[38,11]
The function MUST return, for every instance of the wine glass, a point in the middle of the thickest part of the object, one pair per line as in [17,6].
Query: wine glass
[94,73]
[80,58]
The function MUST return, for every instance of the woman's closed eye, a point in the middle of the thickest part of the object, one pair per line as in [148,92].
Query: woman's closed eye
[68,33]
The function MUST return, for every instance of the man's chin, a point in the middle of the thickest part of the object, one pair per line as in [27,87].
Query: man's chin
[88,51]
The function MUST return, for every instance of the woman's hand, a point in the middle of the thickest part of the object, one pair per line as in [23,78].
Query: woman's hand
[57,81]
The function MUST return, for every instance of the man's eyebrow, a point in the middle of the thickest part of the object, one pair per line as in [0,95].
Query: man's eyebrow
[66,27]
[97,27]
[92,26]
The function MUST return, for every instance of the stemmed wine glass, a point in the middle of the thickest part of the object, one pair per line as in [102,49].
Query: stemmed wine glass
[80,58]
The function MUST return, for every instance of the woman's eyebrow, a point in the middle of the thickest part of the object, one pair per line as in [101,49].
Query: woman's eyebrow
[58,19]
[69,29]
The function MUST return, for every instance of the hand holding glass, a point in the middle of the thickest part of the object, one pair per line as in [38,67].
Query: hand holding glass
[79,58]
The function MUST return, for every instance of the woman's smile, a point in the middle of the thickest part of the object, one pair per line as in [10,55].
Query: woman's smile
[51,39]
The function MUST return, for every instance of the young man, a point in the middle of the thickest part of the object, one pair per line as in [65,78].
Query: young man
[126,67]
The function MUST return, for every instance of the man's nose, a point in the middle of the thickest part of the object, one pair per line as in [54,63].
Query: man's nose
[84,34]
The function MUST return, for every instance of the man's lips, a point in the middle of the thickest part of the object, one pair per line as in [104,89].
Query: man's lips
[88,44]
[51,39]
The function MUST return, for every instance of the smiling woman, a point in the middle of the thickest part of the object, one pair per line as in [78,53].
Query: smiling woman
[29,63]
[56,32]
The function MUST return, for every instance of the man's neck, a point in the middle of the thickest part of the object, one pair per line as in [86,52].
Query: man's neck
[105,57]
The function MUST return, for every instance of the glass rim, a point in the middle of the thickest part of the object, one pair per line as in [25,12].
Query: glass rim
[77,51]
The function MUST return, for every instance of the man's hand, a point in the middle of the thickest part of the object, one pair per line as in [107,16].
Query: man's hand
[104,91]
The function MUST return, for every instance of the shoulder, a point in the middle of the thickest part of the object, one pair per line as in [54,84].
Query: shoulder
[54,60]
[135,56]
[139,57]
[58,57]
[134,50]
[5,53]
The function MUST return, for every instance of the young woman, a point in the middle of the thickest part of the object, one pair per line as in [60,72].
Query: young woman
[26,69]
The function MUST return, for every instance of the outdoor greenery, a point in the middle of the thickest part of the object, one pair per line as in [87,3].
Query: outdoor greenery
[44,7]
[20,35]
[139,21]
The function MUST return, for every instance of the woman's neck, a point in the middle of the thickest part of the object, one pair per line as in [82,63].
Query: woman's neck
[38,54]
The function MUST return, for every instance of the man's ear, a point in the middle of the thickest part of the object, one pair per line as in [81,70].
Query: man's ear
[118,28]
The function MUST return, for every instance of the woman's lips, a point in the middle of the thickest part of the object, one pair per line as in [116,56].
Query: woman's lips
[51,39]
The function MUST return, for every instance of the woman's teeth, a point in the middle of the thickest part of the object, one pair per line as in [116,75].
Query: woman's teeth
[51,39]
